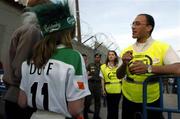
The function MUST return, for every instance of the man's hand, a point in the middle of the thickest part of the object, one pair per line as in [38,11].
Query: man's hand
[138,67]
[127,56]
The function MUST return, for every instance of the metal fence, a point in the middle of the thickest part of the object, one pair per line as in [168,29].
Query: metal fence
[161,108]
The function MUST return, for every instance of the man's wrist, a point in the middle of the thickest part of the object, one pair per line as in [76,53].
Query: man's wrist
[149,68]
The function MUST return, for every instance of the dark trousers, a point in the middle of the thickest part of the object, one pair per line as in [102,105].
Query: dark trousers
[131,110]
[113,105]
[87,104]
[95,88]
[13,111]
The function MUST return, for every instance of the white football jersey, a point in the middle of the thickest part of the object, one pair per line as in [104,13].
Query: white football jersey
[63,79]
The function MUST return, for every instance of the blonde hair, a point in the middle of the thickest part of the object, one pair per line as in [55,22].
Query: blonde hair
[45,48]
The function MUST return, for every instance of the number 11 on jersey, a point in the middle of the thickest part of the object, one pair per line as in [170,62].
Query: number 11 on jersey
[44,92]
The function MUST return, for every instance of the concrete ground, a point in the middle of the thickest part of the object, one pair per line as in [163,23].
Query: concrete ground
[170,102]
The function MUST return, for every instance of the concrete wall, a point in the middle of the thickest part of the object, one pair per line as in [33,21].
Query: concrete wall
[84,49]
[91,52]
[9,21]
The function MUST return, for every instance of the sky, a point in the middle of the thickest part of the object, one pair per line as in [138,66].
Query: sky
[113,18]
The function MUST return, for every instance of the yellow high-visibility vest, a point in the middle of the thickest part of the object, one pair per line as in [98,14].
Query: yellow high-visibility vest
[154,55]
[112,83]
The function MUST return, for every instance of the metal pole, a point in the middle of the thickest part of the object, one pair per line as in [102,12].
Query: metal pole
[98,46]
[78,22]
[88,39]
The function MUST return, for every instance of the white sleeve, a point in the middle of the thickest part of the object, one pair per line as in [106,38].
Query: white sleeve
[23,84]
[77,85]
[100,74]
[120,62]
[171,57]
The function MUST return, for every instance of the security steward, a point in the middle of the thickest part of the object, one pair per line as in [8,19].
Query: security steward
[94,86]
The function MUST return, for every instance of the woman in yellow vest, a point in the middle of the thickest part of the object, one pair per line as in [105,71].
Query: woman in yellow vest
[111,85]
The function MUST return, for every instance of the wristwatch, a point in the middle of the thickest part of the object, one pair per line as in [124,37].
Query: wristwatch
[149,68]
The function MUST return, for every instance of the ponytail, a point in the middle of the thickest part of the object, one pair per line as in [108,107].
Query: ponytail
[45,48]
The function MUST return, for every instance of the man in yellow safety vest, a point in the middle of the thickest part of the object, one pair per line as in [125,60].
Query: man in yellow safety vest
[144,58]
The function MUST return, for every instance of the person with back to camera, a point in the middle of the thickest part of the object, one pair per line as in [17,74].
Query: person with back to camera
[111,85]
[145,58]
[54,78]
[22,41]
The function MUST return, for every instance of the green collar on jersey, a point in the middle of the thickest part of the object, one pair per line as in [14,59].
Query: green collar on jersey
[71,57]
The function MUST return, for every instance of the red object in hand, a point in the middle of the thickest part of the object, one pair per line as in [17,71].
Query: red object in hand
[80,117]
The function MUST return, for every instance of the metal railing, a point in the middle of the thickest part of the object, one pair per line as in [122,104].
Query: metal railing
[161,108]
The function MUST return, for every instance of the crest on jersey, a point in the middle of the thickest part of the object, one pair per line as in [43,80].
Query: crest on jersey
[80,85]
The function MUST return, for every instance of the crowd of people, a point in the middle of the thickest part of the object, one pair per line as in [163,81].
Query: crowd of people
[46,78]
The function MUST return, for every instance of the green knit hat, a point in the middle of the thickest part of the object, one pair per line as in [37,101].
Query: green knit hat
[53,17]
